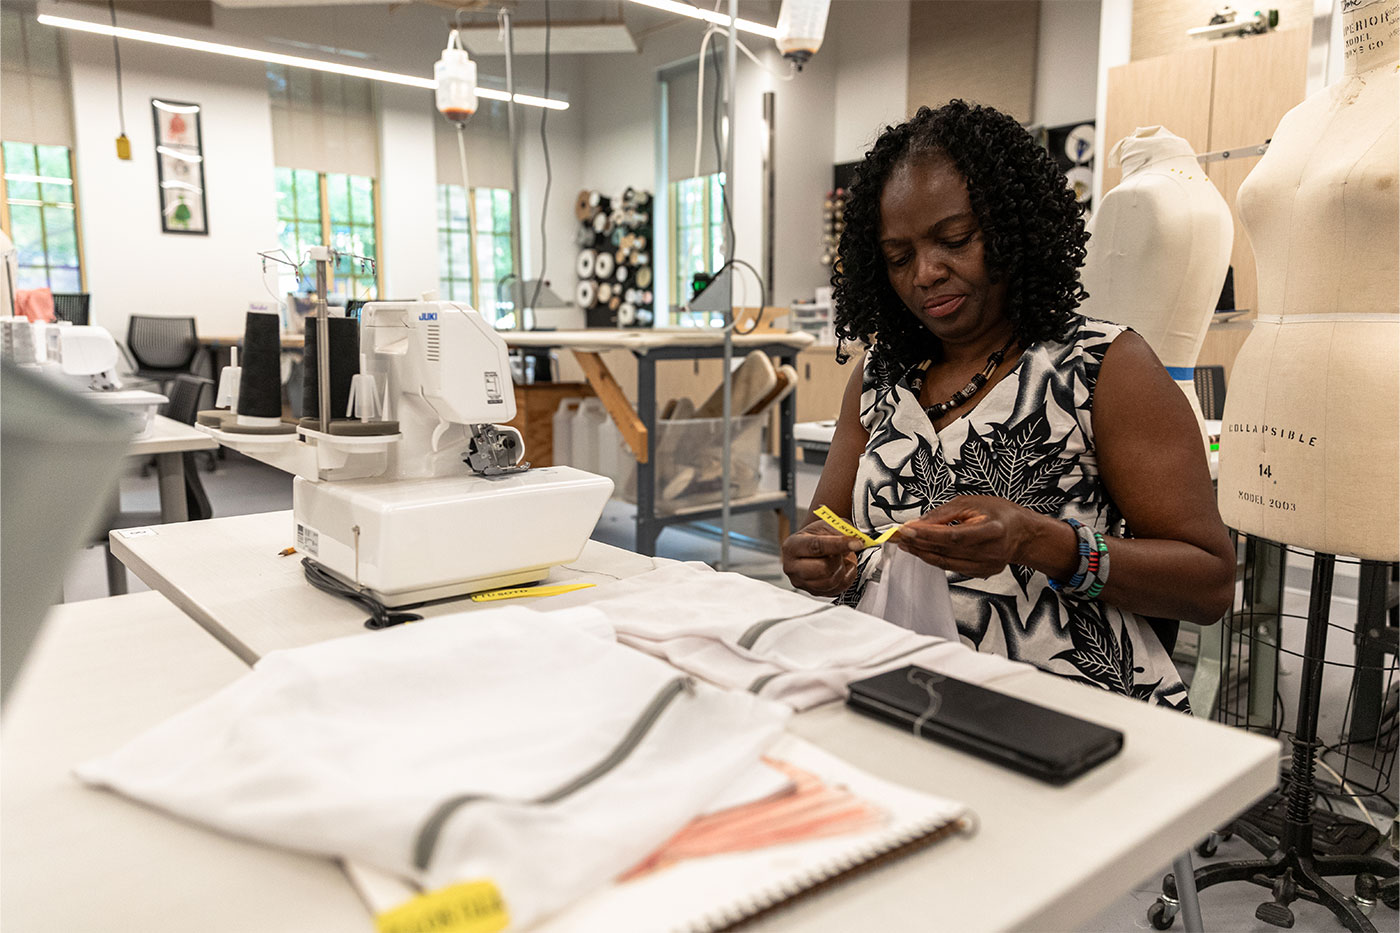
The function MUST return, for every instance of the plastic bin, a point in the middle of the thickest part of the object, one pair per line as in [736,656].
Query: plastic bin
[690,462]
[563,431]
[583,434]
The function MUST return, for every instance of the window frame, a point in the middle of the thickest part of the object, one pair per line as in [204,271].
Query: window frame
[711,227]
[486,236]
[75,206]
[326,223]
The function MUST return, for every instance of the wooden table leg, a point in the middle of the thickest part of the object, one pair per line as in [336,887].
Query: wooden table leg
[633,431]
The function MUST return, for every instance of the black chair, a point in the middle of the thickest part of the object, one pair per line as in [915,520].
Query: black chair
[1210,389]
[163,347]
[183,406]
[72,307]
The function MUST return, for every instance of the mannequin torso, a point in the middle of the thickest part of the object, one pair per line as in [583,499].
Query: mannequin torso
[1160,249]
[1310,451]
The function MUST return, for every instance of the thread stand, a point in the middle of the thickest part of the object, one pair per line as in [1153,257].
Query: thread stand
[1291,869]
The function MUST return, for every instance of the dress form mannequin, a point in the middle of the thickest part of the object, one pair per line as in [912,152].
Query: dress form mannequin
[1310,449]
[1159,250]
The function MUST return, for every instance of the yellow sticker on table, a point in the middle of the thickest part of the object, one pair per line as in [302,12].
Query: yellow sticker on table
[851,531]
[469,907]
[519,592]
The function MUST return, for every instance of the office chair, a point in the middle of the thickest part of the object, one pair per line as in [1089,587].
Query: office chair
[1210,389]
[163,347]
[183,406]
[72,307]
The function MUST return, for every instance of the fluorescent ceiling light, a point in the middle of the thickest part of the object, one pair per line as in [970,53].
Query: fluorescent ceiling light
[694,12]
[277,58]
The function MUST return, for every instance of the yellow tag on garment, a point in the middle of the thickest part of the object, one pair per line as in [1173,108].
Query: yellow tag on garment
[469,907]
[851,531]
[519,592]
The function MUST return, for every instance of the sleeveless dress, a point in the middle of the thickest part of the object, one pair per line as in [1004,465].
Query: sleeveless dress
[1030,439]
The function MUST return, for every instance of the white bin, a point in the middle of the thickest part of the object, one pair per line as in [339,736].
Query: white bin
[563,431]
[690,463]
[583,434]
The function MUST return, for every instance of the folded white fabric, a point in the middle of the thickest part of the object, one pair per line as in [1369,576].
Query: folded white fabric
[504,745]
[743,633]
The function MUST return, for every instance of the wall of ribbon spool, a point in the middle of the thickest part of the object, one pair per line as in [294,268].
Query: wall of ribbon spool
[614,261]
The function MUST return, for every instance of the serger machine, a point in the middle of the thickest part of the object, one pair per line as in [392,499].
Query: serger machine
[424,494]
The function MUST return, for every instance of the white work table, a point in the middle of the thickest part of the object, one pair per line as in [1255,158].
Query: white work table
[168,440]
[1043,857]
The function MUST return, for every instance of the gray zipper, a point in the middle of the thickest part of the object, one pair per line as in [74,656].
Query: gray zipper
[756,630]
[764,679]
[427,838]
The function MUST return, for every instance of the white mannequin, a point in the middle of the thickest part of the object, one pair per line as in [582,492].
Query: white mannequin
[1159,251]
[1310,451]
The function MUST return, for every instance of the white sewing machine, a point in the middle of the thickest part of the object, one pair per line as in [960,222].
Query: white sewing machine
[82,357]
[445,506]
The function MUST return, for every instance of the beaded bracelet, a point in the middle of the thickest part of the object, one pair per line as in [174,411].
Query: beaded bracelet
[1101,575]
[1087,552]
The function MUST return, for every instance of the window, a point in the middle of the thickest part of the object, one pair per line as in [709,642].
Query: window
[315,208]
[41,216]
[697,237]
[458,264]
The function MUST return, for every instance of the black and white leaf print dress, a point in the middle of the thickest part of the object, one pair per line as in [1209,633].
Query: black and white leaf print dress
[1030,439]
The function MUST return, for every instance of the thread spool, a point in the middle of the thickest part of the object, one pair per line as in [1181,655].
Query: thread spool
[626,315]
[644,277]
[622,274]
[605,291]
[585,294]
[603,265]
[646,297]
[260,382]
[345,364]
[583,210]
[602,223]
[614,303]
[585,263]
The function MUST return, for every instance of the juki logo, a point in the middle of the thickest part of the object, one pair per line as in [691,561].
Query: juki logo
[428,316]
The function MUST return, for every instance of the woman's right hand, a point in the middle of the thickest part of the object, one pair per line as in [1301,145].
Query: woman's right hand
[820,560]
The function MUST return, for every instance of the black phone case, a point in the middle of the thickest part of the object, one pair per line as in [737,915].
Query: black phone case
[1034,740]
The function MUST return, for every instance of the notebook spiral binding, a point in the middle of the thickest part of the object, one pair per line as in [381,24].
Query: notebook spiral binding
[912,839]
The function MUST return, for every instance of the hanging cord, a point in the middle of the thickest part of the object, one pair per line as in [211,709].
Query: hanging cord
[548,172]
[471,198]
[117,53]
[381,616]
[729,220]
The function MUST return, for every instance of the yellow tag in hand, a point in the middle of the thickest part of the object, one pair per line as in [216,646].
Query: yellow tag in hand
[469,907]
[519,592]
[851,531]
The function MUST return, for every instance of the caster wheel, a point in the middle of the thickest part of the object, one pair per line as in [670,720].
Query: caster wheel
[1161,916]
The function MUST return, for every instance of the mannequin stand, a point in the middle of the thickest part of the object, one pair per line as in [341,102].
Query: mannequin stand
[1292,871]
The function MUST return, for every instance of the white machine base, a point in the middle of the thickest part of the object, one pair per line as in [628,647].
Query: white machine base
[409,541]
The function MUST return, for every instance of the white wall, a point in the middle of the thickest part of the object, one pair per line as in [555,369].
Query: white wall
[133,268]
[869,39]
[407,192]
[1115,48]
[1066,73]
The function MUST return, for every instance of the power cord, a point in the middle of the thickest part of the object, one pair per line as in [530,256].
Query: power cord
[381,616]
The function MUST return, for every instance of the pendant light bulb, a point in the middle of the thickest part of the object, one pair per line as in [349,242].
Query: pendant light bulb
[456,82]
[801,28]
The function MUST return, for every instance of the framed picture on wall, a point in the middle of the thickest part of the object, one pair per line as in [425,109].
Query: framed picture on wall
[180,167]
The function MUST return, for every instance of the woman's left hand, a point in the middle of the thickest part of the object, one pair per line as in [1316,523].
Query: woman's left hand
[976,536]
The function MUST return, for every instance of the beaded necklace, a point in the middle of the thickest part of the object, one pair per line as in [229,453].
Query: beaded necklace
[966,392]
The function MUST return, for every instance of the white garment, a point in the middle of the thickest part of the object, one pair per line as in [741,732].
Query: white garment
[746,634]
[350,747]
[911,594]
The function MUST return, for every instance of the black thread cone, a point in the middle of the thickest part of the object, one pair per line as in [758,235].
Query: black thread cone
[260,385]
[345,364]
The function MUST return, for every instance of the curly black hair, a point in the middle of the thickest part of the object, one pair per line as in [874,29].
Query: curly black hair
[1031,223]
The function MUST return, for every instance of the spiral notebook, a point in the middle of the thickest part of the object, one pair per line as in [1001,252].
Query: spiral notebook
[717,892]
[705,895]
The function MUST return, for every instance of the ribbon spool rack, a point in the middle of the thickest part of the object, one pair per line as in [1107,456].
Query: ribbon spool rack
[614,268]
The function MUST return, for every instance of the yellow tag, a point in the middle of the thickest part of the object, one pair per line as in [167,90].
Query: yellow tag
[469,907]
[519,592]
[851,531]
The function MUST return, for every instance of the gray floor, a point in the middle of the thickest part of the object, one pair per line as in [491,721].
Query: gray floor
[240,486]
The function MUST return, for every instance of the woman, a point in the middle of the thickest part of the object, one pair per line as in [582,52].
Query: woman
[993,419]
